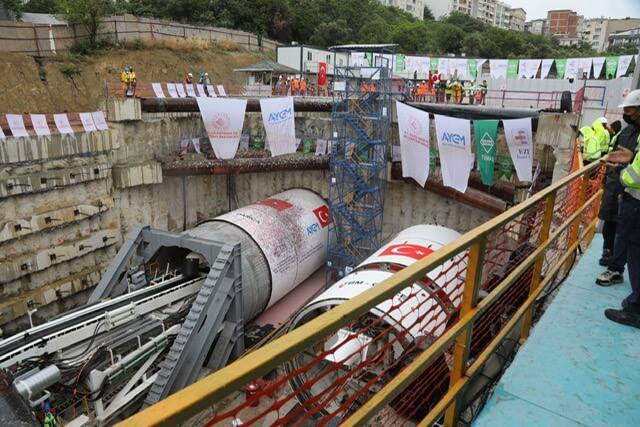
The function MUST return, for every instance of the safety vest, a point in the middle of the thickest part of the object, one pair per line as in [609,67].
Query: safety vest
[602,135]
[132,77]
[49,420]
[630,176]
[591,148]
[447,89]
[124,76]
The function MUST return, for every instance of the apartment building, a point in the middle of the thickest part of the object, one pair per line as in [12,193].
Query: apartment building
[563,21]
[491,12]
[536,26]
[596,34]
[414,7]
[620,38]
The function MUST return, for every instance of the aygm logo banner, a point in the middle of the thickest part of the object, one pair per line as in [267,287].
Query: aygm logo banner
[278,119]
[223,119]
[454,143]
[520,142]
[413,127]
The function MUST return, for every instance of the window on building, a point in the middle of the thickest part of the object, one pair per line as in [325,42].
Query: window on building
[309,56]
[598,30]
[328,59]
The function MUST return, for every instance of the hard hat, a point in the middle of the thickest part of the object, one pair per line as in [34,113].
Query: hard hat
[126,68]
[190,75]
[632,99]
[448,81]
[206,74]
[46,406]
[602,120]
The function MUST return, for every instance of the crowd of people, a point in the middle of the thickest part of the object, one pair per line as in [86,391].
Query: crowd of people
[452,91]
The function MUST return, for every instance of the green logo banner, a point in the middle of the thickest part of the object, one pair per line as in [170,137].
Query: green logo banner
[433,159]
[512,68]
[369,57]
[505,167]
[433,64]
[486,135]
[611,65]
[307,143]
[399,62]
[473,67]
[561,65]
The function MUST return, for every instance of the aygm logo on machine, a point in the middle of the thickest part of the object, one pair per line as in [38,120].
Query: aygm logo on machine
[454,138]
[281,116]
[324,219]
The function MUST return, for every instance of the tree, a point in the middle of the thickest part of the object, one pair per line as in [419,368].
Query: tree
[14,6]
[41,6]
[428,15]
[331,34]
[88,13]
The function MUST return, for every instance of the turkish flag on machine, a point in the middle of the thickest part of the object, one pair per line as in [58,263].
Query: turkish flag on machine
[322,73]
[408,250]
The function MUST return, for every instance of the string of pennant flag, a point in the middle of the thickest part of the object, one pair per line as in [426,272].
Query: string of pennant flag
[184,90]
[39,125]
[613,66]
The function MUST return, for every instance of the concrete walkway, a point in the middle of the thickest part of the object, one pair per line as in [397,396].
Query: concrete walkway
[577,368]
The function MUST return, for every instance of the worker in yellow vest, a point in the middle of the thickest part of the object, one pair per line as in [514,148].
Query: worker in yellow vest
[629,213]
[590,145]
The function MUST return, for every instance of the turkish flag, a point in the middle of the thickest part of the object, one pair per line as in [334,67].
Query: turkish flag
[322,73]
[323,215]
[276,204]
[407,250]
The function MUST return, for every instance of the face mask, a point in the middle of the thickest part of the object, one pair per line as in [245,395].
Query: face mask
[628,118]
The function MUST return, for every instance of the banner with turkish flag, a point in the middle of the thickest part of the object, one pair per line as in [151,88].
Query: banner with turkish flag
[322,74]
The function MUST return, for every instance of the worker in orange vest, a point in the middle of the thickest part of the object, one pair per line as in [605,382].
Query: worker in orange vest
[303,87]
[295,86]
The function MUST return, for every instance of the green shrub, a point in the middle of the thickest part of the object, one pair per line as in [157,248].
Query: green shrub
[70,70]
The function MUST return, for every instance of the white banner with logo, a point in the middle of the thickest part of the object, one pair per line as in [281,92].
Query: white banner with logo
[39,122]
[87,122]
[173,92]
[623,65]
[277,116]
[462,68]
[546,66]
[200,90]
[598,63]
[528,68]
[518,135]
[223,119]
[16,124]
[180,90]
[62,123]
[157,89]
[585,65]
[571,68]
[498,68]
[443,67]
[99,120]
[190,91]
[413,127]
[454,145]
[196,144]
[212,93]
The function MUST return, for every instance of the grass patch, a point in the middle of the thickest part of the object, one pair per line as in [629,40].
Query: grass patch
[70,70]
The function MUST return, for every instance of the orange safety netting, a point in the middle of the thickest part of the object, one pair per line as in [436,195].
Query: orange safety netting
[334,377]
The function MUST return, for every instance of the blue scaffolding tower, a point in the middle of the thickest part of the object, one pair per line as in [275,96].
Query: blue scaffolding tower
[360,135]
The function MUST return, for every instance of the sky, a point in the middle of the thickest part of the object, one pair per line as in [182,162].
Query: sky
[537,9]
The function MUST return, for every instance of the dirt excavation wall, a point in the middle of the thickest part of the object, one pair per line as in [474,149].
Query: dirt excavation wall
[67,204]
